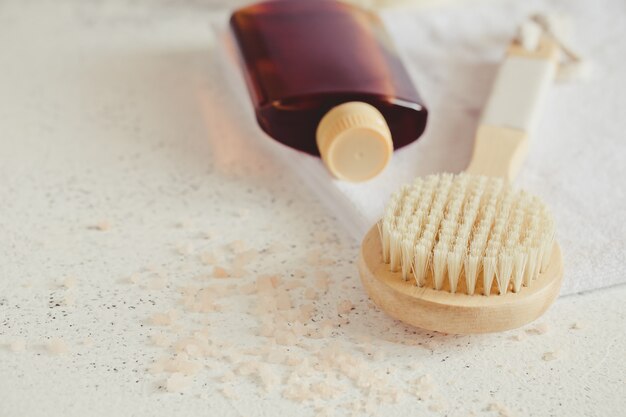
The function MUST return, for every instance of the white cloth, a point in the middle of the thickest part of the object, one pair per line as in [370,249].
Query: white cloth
[577,158]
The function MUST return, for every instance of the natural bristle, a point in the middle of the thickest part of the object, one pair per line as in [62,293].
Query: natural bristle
[466,233]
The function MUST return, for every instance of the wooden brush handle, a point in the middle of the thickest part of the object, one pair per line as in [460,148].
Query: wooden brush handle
[513,109]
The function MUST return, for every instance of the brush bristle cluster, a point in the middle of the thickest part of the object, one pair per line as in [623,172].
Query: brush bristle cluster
[463,232]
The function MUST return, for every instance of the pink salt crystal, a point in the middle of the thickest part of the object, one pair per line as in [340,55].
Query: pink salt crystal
[208,258]
[238,272]
[159,340]
[57,346]
[321,236]
[276,247]
[502,410]
[229,393]
[177,382]
[276,356]
[185,248]
[550,356]
[291,285]
[322,280]
[310,294]
[285,338]
[437,407]
[164,319]
[299,273]
[244,258]
[237,246]
[219,272]
[103,225]
[313,257]
[247,289]
[264,283]
[134,278]
[541,328]
[17,345]
[283,301]
[293,360]
[157,283]
[267,329]
[69,299]
[268,378]
[247,368]
[306,312]
[227,377]
[69,282]
[344,307]
[88,342]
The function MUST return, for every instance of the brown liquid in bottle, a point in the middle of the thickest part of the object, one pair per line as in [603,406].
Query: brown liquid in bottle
[302,58]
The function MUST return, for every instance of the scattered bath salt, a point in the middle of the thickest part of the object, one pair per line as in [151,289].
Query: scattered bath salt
[103,225]
[550,356]
[283,301]
[299,273]
[306,312]
[88,342]
[17,345]
[157,283]
[268,378]
[238,272]
[293,360]
[159,340]
[310,294]
[208,258]
[177,382]
[183,224]
[185,248]
[437,407]
[69,282]
[502,410]
[292,285]
[414,366]
[229,393]
[322,280]
[326,328]
[267,282]
[541,328]
[276,356]
[69,299]
[134,278]
[344,307]
[57,346]
[577,325]
[267,329]
[244,258]
[219,272]
[227,377]
[518,337]
[321,236]
[237,246]
[247,368]
[285,338]
[164,319]
[276,247]
[379,355]
[313,257]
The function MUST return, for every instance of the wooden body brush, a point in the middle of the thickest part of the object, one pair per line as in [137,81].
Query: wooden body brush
[467,253]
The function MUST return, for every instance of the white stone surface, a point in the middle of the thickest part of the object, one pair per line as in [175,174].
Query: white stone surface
[114,183]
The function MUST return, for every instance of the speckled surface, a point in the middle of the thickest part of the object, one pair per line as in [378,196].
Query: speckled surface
[106,116]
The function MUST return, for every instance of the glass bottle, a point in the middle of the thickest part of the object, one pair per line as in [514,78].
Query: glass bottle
[324,78]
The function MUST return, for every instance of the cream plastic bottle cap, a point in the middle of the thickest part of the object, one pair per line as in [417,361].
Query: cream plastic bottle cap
[354,141]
